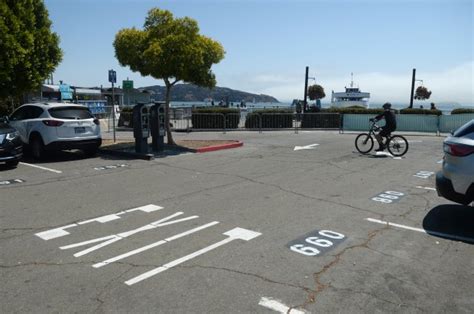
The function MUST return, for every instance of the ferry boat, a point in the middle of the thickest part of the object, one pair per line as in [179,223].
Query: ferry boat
[351,97]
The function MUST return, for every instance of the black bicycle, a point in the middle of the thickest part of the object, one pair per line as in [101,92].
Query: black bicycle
[396,145]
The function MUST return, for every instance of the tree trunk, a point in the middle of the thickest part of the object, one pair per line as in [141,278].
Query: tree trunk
[167,114]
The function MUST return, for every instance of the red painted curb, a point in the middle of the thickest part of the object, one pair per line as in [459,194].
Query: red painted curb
[218,147]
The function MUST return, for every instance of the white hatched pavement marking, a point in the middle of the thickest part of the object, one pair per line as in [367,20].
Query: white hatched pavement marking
[39,167]
[277,306]
[150,246]
[60,231]
[236,233]
[120,236]
[441,234]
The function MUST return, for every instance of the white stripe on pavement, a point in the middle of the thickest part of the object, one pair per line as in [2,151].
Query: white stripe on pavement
[39,167]
[120,236]
[425,188]
[234,234]
[60,232]
[150,246]
[441,234]
[277,306]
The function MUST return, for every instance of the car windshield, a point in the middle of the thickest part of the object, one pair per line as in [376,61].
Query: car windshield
[74,113]
[466,129]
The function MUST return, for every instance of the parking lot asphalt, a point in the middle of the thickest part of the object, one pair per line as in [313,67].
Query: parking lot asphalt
[261,228]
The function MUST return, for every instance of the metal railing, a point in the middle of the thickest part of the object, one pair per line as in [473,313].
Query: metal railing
[184,120]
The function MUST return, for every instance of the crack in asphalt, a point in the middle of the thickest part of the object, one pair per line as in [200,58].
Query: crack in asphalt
[320,287]
[244,178]
[41,264]
[397,257]
[373,295]
[306,289]
[99,298]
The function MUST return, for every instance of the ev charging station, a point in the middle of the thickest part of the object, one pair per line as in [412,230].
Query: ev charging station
[149,119]
[157,122]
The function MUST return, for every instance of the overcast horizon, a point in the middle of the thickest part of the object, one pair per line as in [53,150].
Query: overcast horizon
[266,53]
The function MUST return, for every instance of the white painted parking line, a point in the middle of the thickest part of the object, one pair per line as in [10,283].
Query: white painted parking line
[60,231]
[424,174]
[415,141]
[311,146]
[120,236]
[425,188]
[386,154]
[39,167]
[236,233]
[441,234]
[150,246]
[277,306]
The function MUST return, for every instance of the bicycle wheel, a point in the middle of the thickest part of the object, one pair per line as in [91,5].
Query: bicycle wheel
[364,143]
[397,145]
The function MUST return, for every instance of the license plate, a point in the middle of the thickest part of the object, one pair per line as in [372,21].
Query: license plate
[80,129]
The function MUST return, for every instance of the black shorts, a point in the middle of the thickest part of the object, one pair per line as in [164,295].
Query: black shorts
[386,131]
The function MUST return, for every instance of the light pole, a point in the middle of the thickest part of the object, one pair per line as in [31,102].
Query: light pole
[113,79]
[412,88]
[305,89]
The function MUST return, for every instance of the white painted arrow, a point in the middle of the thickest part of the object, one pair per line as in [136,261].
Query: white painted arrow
[306,147]
[234,234]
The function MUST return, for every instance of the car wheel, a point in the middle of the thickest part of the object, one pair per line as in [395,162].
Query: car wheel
[12,163]
[37,148]
[90,152]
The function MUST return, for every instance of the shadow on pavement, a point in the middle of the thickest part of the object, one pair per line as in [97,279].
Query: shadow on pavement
[451,219]
[64,156]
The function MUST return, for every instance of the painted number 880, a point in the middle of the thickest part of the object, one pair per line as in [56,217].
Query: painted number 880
[387,197]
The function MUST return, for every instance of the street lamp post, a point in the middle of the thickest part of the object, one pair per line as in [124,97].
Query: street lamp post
[113,79]
[413,80]
[305,89]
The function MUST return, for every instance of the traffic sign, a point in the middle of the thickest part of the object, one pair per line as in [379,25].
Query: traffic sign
[127,84]
[112,76]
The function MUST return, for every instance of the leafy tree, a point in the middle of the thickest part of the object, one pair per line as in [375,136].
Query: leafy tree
[316,92]
[171,49]
[29,50]
[422,93]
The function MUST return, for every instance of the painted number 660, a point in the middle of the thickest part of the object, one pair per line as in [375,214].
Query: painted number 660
[312,250]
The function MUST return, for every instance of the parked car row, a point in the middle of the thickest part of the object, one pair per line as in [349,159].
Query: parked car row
[48,127]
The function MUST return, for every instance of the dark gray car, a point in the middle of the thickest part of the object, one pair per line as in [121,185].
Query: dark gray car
[11,146]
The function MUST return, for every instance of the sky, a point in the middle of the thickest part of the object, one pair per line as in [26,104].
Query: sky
[269,43]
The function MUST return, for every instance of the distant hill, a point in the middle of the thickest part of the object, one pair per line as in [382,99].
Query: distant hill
[189,92]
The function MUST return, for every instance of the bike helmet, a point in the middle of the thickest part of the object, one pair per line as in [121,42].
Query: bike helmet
[387,105]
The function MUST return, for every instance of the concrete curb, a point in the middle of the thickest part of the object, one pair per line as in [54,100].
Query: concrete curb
[219,147]
[152,156]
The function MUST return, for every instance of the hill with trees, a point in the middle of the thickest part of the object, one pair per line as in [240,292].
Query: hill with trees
[190,92]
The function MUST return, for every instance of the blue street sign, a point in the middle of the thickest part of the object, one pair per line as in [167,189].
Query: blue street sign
[112,76]
[66,92]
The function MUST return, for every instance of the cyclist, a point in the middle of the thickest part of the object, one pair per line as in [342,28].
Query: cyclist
[389,127]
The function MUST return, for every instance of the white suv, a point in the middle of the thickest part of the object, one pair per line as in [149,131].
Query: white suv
[56,126]
[455,181]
